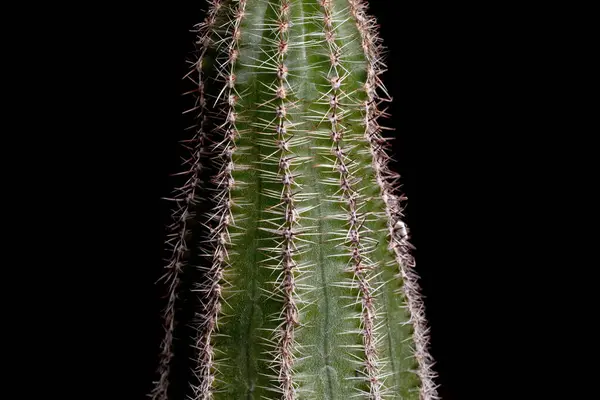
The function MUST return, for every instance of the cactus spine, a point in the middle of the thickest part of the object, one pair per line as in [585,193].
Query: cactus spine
[306,285]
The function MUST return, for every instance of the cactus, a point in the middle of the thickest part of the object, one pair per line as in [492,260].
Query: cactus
[288,227]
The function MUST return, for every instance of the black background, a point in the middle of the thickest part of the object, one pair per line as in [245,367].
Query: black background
[129,64]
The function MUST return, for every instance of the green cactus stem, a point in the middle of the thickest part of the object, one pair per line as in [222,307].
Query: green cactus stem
[303,271]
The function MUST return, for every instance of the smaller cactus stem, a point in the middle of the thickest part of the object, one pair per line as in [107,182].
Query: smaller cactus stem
[398,231]
[184,199]
[360,265]
[221,218]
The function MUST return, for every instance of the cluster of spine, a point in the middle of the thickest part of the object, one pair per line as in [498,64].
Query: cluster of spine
[185,199]
[287,231]
[220,218]
[386,179]
[360,265]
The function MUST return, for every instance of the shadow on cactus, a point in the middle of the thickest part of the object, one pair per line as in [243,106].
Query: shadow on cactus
[287,231]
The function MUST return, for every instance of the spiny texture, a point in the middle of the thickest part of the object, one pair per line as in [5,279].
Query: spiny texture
[305,282]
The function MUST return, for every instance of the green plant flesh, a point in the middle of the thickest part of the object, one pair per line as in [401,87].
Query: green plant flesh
[306,286]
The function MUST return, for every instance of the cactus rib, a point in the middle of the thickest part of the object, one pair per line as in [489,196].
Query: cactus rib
[371,44]
[287,229]
[185,199]
[221,218]
[358,265]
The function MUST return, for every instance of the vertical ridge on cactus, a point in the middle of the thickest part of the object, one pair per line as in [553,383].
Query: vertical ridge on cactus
[305,281]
